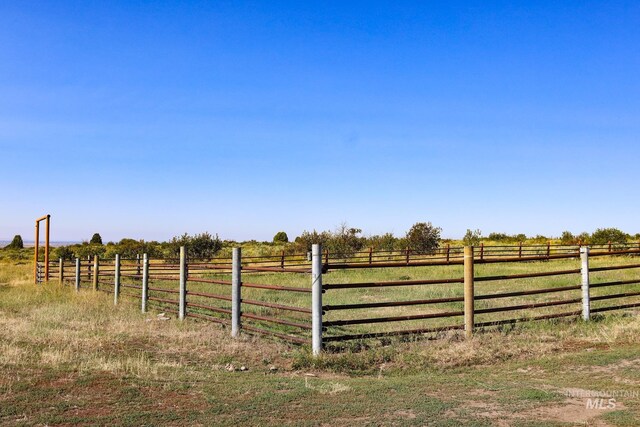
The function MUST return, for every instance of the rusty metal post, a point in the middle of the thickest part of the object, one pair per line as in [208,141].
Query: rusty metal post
[548,249]
[282,260]
[96,272]
[137,266]
[88,268]
[468,292]
[182,308]
[448,252]
[316,299]
[46,249]
[77,275]
[236,292]
[145,282]
[61,271]
[116,280]
[408,251]
[586,298]
[520,250]
[35,256]
[482,251]
[370,256]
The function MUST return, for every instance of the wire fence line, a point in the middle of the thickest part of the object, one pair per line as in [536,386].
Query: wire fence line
[320,298]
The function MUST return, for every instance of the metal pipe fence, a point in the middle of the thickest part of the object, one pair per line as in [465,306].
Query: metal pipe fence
[323,298]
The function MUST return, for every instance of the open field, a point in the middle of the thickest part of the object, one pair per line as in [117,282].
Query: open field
[75,359]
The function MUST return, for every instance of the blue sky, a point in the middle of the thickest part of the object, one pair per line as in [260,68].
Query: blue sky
[151,119]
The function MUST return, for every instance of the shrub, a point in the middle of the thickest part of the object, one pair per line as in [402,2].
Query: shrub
[423,237]
[472,238]
[603,236]
[306,239]
[384,242]
[281,237]
[345,241]
[96,239]
[63,252]
[16,243]
[198,246]
[567,238]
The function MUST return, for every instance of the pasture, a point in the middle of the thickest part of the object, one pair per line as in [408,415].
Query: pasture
[72,358]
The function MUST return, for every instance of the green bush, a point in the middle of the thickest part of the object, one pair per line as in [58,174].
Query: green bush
[198,246]
[96,239]
[423,238]
[472,238]
[16,243]
[281,237]
[603,236]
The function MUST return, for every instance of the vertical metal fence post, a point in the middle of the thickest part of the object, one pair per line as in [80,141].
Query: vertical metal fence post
[116,280]
[182,310]
[468,292]
[61,271]
[77,274]
[96,272]
[586,300]
[236,292]
[145,282]
[316,299]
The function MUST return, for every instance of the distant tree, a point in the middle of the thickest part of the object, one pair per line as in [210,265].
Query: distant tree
[603,236]
[64,252]
[472,238]
[281,237]
[583,238]
[384,242]
[305,240]
[16,243]
[567,238]
[198,246]
[345,241]
[423,237]
[95,239]
[499,237]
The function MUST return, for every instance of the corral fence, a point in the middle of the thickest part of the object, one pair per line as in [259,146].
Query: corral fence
[320,298]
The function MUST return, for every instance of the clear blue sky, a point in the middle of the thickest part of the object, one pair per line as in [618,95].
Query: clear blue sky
[151,119]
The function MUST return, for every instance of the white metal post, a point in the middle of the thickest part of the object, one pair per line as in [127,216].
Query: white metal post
[182,310]
[145,282]
[236,292]
[586,300]
[116,280]
[77,274]
[316,299]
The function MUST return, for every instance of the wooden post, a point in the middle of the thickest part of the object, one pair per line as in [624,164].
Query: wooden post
[468,292]
[88,268]
[182,307]
[46,249]
[96,272]
[35,256]
[61,271]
